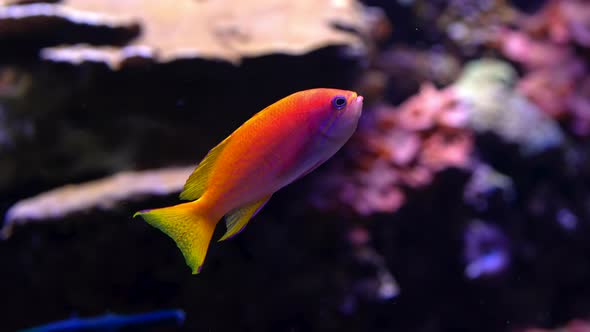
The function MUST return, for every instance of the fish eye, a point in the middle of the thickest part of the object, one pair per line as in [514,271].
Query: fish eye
[339,102]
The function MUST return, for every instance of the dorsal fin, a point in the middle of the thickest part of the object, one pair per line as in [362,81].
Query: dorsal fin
[197,183]
[236,220]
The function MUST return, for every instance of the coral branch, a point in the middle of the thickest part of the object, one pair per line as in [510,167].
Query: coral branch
[102,194]
[222,30]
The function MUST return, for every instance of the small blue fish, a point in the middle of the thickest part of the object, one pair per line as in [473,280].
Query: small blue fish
[113,322]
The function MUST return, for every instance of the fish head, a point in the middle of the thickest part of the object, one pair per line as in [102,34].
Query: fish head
[338,112]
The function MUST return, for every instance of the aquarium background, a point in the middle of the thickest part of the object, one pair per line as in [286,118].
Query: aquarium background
[462,202]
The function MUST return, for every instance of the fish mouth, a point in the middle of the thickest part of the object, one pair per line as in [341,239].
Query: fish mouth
[357,102]
[354,99]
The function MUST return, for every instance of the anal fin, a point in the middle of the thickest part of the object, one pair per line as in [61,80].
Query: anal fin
[239,218]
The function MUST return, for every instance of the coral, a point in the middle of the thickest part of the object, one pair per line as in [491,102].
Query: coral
[488,86]
[470,24]
[398,148]
[545,45]
[579,106]
[486,182]
[532,53]
[576,325]
[218,30]
[22,2]
[103,194]
[466,25]
[407,68]
[485,250]
[562,21]
[376,283]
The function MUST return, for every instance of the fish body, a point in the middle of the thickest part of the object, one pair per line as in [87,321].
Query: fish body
[275,147]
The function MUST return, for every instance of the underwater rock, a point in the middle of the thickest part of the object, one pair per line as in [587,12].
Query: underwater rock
[13,85]
[225,30]
[82,121]
[101,194]
[470,24]
[293,265]
[406,69]
[488,87]
[467,25]
[396,149]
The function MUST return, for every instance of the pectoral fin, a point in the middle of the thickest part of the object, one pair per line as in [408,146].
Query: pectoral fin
[238,218]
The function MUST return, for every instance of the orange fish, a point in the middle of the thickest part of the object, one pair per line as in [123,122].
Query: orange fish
[277,146]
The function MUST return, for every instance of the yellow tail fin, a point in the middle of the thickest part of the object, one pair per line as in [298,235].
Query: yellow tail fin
[190,229]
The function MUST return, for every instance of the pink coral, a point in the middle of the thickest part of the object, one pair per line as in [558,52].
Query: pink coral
[397,149]
[553,69]
[533,53]
[563,21]
[446,149]
[576,325]
[419,111]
